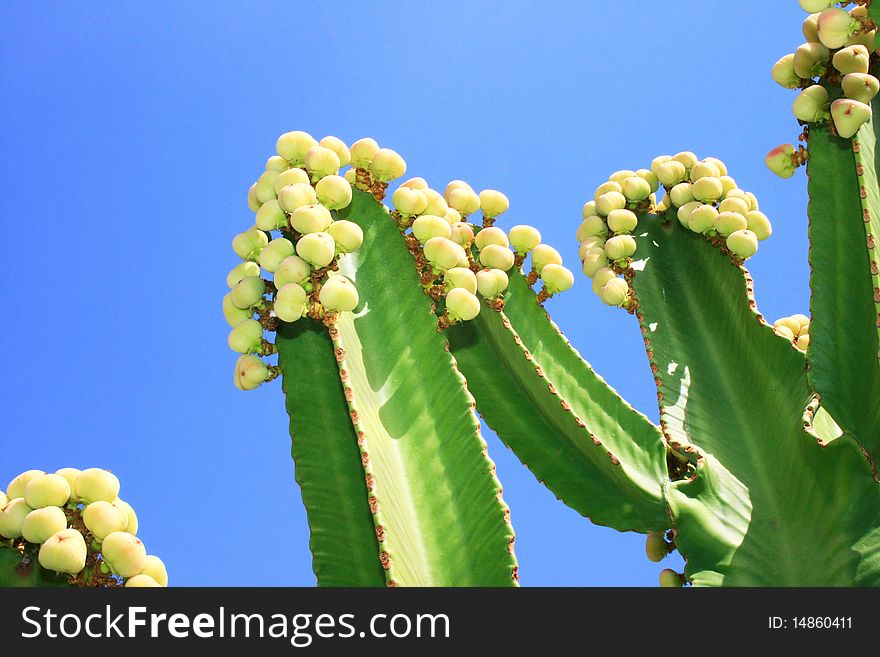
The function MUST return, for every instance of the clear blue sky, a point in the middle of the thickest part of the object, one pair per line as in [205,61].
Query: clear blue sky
[130,132]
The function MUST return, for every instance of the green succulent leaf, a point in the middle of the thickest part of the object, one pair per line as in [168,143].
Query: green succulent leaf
[16,575]
[589,447]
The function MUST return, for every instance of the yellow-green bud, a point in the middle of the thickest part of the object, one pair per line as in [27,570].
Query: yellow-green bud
[40,524]
[590,243]
[589,210]
[601,277]
[333,192]
[102,518]
[620,176]
[130,516]
[606,187]
[650,177]
[295,176]
[780,161]
[244,338]
[409,201]
[852,59]
[491,282]
[656,547]
[743,243]
[362,152]
[671,173]
[445,254]
[802,342]
[594,260]
[437,205]
[247,245]
[12,516]
[860,86]
[427,226]
[70,474]
[784,74]
[496,257]
[416,183]
[265,187]
[347,235]
[277,163]
[734,204]
[387,165]
[293,146]
[292,269]
[321,162]
[124,553]
[687,158]
[810,27]
[252,200]
[461,305]
[248,292]
[493,203]
[270,216]
[155,568]
[835,27]
[681,194]
[784,331]
[232,313]
[811,105]
[491,235]
[670,579]
[318,249]
[452,216]
[338,294]
[684,212]
[591,226]
[708,189]
[610,201]
[272,255]
[464,200]
[95,484]
[311,219]
[849,115]
[337,146]
[48,490]
[461,233]
[759,224]
[64,552]
[557,278]
[544,254]
[141,581]
[290,302]
[810,59]
[524,238]
[619,247]
[460,277]
[242,270]
[614,292]
[702,218]
[636,189]
[453,185]
[730,222]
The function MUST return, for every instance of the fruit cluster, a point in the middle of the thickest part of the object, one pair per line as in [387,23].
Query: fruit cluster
[457,259]
[833,72]
[82,527]
[795,328]
[706,200]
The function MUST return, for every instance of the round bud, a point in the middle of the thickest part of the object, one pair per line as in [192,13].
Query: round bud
[681,194]
[242,270]
[849,115]
[759,224]
[734,204]
[493,203]
[461,277]
[670,173]
[362,152]
[290,302]
[670,579]
[265,186]
[70,473]
[491,235]
[318,249]
[544,254]
[810,27]
[614,292]
[415,183]
[594,260]
[815,5]
[835,27]
[248,292]
[252,200]
[464,200]
[722,168]
[650,177]
[427,226]
[705,169]
[270,216]
[524,238]
[338,294]
[784,332]
[244,338]
[727,223]
[636,189]
[461,233]
[387,165]
[658,161]
[708,189]
[293,146]
[351,176]
[684,212]
[141,581]
[811,105]
[277,163]
[656,547]
[619,247]
[445,254]
[743,243]
[308,219]
[610,201]
[601,277]
[272,256]
[321,162]
[409,201]
[102,518]
[803,323]
[802,342]
[852,59]
[437,205]
[461,305]
[557,278]
[591,226]
[606,187]
[232,313]
[453,185]
[124,553]
[333,192]
[64,552]
[40,524]
[727,184]
[95,484]
[495,256]
[292,197]
[491,282]
[589,209]
[131,518]
[293,176]
[780,161]
[17,486]
[687,158]
[620,176]
[784,74]
[347,235]
[48,490]
[810,60]
[12,517]
[702,218]
[337,146]
[247,245]
[860,87]
[452,216]
[248,374]
[292,269]
[155,568]
[791,323]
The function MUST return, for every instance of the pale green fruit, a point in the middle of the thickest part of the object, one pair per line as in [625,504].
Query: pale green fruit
[437,205]
[277,163]
[671,173]
[811,6]
[810,27]
[102,518]
[524,238]
[610,201]
[242,270]
[12,516]
[636,189]
[453,185]
[811,105]
[658,161]
[16,486]
[594,260]
[780,161]
[131,518]
[362,152]
[155,568]
[461,277]
[557,278]
[347,235]
[64,552]
[835,27]
[291,270]
[687,158]
[590,243]
[464,200]
[852,59]
[48,490]
[591,226]
[333,192]
[71,473]
[601,277]
[589,209]
[252,200]
[491,235]
[544,254]
[338,294]
[849,115]
[727,223]
[270,216]
[620,176]
[656,547]
[810,59]
[727,184]
[318,249]
[670,579]
[95,484]
[860,87]
[493,203]
[461,305]
[759,224]
[272,256]
[605,188]
[491,282]
[684,212]
[244,338]
[614,292]
[233,313]
[461,233]
[428,226]
[784,74]
[681,194]
[248,292]
[248,374]
[705,169]
[802,342]
[734,204]
[293,146]
[321,162]
[40,524]
[722,168]
[784,332]
[295,176]
[141,581]
[618,248]
[308,219]
[247,245]
[702,218]
[290,302]
[265,186]
[337,146]
[708,189]
[124,553]
[445,254]
[415,183]
[496,257]
[409,201]
[387,165]
[452,216]
[743,243]
[650,177]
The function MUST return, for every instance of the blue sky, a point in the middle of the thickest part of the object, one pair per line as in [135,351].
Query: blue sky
[130,132]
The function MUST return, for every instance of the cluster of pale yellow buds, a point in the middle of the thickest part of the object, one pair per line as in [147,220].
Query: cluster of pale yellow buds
[796,329]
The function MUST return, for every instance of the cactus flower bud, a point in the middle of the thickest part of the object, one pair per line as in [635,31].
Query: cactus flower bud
[784,331]
[409,201]
[461,233]
[495,256]
[339,294]
[292,197]
[125,553]
[242,270]
[308,219]
[810,60]
[759,224]
[295,176]
[702,218]
[604,188]
[658,161]
[852,59]
[318,248]
[48,490]
[671,173]
[247,245]
[636,189]
[614,292]
[244,338]
[387,165]
[12,517]
[860,87]
[619,176]
[277,163]
[270,216]
[155,568]
[743,243]
[272,256]
[849,115]
[248,292]
[656,547]
[415,183]
[452,216]
[453,185]
[265,186]
[705,169]
[810,27]
[427,226]
[650,177]
[95,484]
[290,302]
[17,486]
[337,146]
[670,579]
[233,313]
[591,226]
[362,152]
[437,205]
[293,146]
[40,524]
[491,282]
[292,269]
[445,254]
[493,203]
[347,235]
[687,158]
[791,323]
[780,161]
[248,374]
[460,277]
[708,189]
[784,74]
[590,243]
[557,278]
[491,235]
[320,162]
[131,518]
[70,475]
[722,168]
[524,238]
[544,254]
[253,202]
[589,210]
[141,581]
[684,212]
[812,6]
[64,552]
[835,27]
[811,104]
[681,194]
[333,192]
[594,260]
[610,201]
[619,247]
[461,305]
[102,518]
[601,277]
[734,204]
[730,222]
[802,342]
[464,200]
